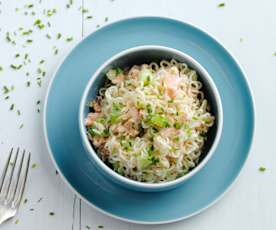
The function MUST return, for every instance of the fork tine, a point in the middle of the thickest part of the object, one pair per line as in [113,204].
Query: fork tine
[5,170]
[12,172]
[22,187]
[18,175]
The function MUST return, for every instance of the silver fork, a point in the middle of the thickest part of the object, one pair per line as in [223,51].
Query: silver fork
[12,186]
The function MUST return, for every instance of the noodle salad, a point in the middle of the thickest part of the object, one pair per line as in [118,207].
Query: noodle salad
[149,122]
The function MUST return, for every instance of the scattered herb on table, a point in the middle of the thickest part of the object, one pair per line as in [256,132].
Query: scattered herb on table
[16,67]
[262,169]
[1,68]
[17,221]
[34,165]
[29,41]
[100,226]
[25,201]
[17,55]
[69,39]
[106,19]
[27,32]
[38,23]
[48,36]
[220,5]
[87,227]
[275,54]
[50,12]
[28,83]
[11,107]
[18,112]
[59,35]
[21,126]
[89,17]
[51,213]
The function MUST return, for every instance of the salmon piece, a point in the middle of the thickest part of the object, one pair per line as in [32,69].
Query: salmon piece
[172,81]
[98,141]
[118,79]
[96,106]
[91,118]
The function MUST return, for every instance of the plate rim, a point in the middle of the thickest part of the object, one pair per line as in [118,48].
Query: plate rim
[45,132]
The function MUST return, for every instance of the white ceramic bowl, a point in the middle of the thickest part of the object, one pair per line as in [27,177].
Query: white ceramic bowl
[147,54]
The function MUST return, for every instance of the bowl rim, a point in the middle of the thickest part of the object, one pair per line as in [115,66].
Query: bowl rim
[128,181]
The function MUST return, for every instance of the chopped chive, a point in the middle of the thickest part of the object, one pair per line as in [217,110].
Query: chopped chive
[26,56]
[27,32]
[87,227]
[29,41]
[29,6]
[39,70]
[34,165]
[97,26]
[17,55]
[28,83]
[31,209]
[15,67]
[33,13]
[5,89]
[48,36]
[18,112]
[100,226]
[11,107]
[51,213]
[59,35]
[39,24]
[89,17]
[262,169]
[69,39]
[7,97]
[48,24]
[38,110]
[8,38]
[25,201]
[41,61]
[21,126]
[38,102]
[17,221]
[1,68]
[220,5]
[106,19]
[275,54]
[50,12]
[27,74]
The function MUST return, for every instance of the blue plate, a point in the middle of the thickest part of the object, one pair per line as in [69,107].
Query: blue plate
[63,137]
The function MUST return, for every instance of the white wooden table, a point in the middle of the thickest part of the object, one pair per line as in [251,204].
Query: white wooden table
[247,28]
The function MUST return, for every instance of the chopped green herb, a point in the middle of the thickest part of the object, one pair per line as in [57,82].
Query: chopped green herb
[262,169]
[29,6]
[106,19]
[275,54]
[28,83]
[41,61]
[51,12]
[34,165]
[39,24]
[8,38]
[7,97]
[59,35]
[29,41]
[31,209]
[16,67]
[87,227]
[1,68]
[17,221]
[100,226]
[5,89]
[51,213]
[241,39]
[69,39]
[25,201]
[89,17]
[27,32]
[21,126]
[11,107]
[17,55]
[83,10]
[27,74]
[55,51]
[48,36]
[38,102]
[220,5]
[18,112]
[97,26]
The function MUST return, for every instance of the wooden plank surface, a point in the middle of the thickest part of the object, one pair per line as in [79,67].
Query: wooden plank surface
[246,28]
